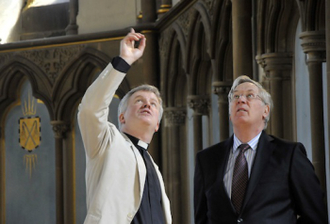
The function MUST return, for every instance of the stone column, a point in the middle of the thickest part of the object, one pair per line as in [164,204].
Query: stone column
[72,28]
[242,37]
[69,177]
[59,128]
[313,44]
[2,178]
[177,167]
[150,60]
[327,19]
[222,89]
[201,105]
[278,67]
[148,14]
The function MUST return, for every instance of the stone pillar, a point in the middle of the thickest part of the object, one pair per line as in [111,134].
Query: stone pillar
[313,44]
[2,179]
[165,6]
[278,67]
[327,19]
[69,177]
[148,14]
[59,128]
[177,167]
[222,89]
[201,105]
[242,37]
[150,60]
[72,28]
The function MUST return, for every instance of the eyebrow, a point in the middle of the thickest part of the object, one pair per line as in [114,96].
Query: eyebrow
[152,98]
[249,90]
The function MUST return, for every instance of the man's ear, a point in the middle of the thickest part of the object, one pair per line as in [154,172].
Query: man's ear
[157,127]
[266,111]
[121,118]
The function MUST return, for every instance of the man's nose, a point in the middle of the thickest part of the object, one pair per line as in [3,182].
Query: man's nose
[146,105]
[242,98]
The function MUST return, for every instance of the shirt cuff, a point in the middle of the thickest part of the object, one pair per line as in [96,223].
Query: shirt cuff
[120,64]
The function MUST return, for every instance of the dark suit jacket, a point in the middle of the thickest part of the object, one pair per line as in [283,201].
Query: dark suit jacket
[282,185]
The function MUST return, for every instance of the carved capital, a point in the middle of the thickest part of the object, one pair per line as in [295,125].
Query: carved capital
[313,44]
[199,103]
[313,41]
[60,128]
[221,89]
[275,61]
[175,116]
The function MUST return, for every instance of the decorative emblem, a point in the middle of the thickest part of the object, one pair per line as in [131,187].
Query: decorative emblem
[29,131]
[29,126]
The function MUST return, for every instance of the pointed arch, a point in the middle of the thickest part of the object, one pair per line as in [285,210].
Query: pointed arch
[177,78]
[312,13]
[174,77]
[277,22]
[11,75]
[183,43]
[221,41]
[198,54]
[206,21]
[76,79]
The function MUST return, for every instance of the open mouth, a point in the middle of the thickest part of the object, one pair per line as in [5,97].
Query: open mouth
[145,112]
[241,109]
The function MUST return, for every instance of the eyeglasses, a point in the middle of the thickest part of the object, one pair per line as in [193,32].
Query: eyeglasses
[248,96]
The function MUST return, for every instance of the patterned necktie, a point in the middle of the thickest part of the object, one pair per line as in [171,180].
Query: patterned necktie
[240,178]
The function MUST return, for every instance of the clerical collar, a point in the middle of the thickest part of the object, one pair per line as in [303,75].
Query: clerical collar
[138,142]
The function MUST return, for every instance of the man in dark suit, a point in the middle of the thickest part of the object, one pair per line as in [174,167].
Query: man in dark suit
[253,177]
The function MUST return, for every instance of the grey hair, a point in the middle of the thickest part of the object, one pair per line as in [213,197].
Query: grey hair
[145,87]
[264,95]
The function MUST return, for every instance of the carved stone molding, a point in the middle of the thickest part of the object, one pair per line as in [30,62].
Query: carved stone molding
[184,21]
[209,4]
[164,42]
[60,128]
[221,89]
[200,104]
[5,57]
[175,116]
[52,61]
[71,29]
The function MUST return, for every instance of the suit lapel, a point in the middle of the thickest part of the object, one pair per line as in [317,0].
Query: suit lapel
[264,151]
[142,171]
[223,161]
[223,158]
